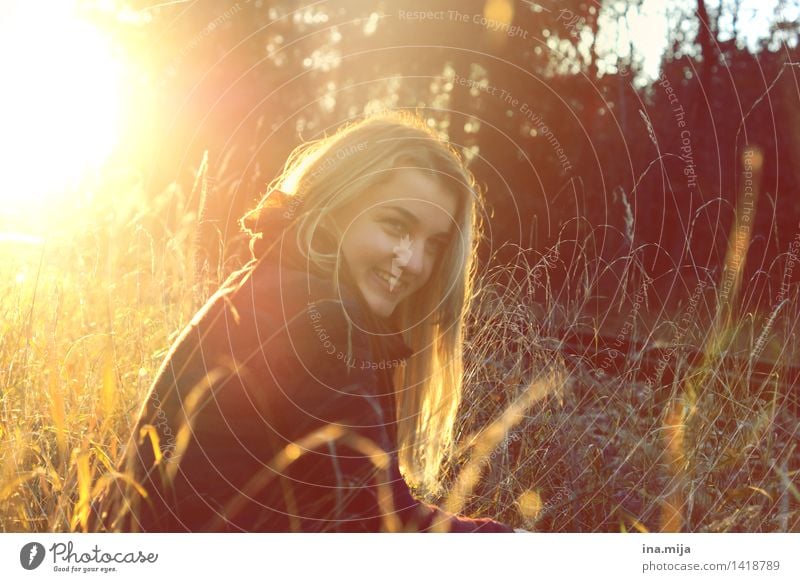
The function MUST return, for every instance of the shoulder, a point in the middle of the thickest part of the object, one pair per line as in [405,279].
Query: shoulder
[299,314]
[311,349]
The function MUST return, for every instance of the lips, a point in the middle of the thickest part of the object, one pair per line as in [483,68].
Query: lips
[382,278]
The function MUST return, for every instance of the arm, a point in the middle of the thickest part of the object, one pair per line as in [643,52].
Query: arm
[365,490]
[419,516]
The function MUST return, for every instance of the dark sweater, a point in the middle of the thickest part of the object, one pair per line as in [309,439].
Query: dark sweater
[284,433]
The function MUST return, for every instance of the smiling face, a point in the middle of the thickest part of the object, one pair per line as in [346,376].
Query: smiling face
[393,236]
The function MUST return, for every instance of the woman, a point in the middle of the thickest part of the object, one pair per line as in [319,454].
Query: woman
[292,400]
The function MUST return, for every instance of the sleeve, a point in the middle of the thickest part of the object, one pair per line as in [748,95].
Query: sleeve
[349,478]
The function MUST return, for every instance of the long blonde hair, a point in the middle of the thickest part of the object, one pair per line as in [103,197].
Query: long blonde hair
[329,172]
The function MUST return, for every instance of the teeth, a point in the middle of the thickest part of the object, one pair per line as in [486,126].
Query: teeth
[386,278]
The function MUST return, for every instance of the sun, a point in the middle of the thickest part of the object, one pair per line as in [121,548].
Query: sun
[61,100]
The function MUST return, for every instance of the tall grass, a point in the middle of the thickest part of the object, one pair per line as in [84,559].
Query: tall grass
[712,450]
[547,441]
[87,316]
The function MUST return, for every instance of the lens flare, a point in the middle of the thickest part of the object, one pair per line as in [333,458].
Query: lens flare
[60,105]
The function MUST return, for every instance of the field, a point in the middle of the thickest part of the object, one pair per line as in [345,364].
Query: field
[551,439]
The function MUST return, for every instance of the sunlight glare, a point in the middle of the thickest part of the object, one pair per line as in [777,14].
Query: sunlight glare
[60,110]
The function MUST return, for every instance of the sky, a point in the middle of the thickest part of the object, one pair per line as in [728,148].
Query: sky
[647,29]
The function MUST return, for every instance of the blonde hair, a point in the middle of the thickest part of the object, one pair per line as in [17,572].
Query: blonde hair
[329,172]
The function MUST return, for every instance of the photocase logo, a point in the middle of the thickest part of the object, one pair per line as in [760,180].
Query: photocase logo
[31,555]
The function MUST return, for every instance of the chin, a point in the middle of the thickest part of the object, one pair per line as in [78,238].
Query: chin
[380,303]
[380,307]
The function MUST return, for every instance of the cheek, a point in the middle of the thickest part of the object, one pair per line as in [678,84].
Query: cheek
[433,265]
[365,248]
[425,278]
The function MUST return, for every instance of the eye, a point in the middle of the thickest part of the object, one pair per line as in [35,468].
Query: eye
[435,246]
[396,226]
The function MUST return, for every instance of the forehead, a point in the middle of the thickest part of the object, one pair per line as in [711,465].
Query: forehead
[419,193]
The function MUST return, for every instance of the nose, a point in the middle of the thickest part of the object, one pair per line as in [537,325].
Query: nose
[413,261]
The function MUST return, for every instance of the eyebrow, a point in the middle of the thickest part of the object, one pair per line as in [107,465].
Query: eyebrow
[411,217]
